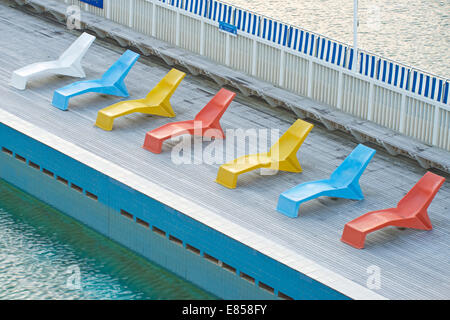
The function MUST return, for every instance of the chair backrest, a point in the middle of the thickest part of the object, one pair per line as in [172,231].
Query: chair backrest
[216,107]
[291,140]
[119,70]
[423,192]
[166,86]
[77,49]
[353,166]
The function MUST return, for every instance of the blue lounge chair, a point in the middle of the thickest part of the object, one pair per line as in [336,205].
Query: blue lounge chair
[343,183]
[112,82]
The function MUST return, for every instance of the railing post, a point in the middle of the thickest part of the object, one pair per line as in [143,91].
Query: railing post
[202,38]
[254,57]
[355,35]
[310,79]
[436,127]
[153,18]
[370,102]
[177,36]
[131,14]
[282,67]
[227,50]
[108,9]
[402,114]
[340,86]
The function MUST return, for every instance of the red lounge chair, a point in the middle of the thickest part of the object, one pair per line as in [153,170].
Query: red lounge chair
[411,212]
[206,123]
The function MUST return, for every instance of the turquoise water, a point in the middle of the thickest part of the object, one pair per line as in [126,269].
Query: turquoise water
[45,254]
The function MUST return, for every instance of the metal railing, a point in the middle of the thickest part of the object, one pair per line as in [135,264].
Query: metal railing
[397,96]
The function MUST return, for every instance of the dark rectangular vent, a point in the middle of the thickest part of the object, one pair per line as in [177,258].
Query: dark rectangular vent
[62,180]
[159,231]
[126,214]
[176,240]
[247,277]
[192,249]
[77,188]
[34,165]
[91,195]
[20,158]
[7,151]
[210,258]
[266,287]
[142,222]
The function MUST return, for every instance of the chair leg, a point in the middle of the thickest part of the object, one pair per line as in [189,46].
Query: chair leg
[152,144]
[354,191]
[60,101]
[287,207]
[122,88]
[18,81]
[214,131]
[167,110]
[421,222]
[77,70]
[227,178]
[353,237]
[425,220]
[104,121]
[291,164]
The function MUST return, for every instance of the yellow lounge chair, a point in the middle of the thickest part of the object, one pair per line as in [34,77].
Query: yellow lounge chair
[281,156]
[157,102]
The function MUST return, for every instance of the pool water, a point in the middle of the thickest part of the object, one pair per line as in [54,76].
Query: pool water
[45,254]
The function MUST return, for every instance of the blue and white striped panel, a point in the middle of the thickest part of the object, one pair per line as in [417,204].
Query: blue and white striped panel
[416,82]
[439,90]
[195,6]
[424,85]
[429,87]
[330,51]
[282,34]
[367,64]
[302,41]
[246,21]
[401,77]
[385,71]
[312,44]
[220,12]
[289,41]
[322,48]
[345,54]
[294,36]
[274,31]
[175,3]
[350,59]
[434,88]
[337,54]
[445,93]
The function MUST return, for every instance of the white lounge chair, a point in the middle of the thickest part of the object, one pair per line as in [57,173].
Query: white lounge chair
[68,64]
